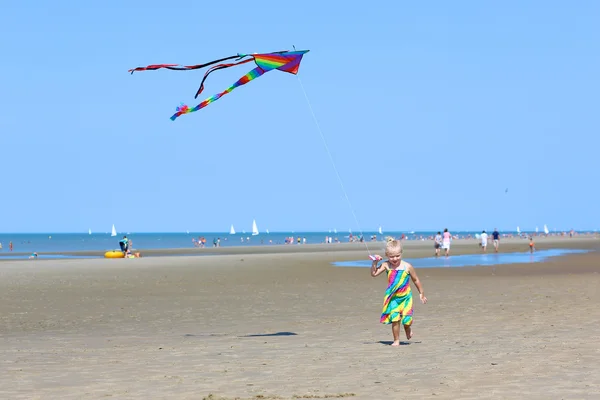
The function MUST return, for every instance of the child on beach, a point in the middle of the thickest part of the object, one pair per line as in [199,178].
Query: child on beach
[531,245]
[397,303]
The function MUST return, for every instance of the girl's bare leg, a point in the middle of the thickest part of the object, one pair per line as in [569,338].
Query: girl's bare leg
[396,333]
[408,331]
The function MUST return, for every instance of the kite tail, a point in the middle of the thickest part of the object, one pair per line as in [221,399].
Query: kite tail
[255,73]
[216,68]
[177,67]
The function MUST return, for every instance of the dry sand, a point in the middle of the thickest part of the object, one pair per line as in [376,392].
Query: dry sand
[289,325]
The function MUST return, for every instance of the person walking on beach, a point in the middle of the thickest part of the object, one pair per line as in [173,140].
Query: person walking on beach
[484,238]
[496,237]
[446,239]
[398,302]
[437,243]
[531,245]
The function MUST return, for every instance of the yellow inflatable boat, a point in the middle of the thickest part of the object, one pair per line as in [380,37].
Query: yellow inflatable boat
[114,254]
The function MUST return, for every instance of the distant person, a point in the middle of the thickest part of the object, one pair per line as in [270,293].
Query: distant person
[33,256]
[10,246]
[531,245]
[123,243]
[446,239]
[484,238]
[397,303]
[496,237]
[437,243]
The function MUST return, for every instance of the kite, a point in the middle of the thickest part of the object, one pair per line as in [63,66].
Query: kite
[286,61]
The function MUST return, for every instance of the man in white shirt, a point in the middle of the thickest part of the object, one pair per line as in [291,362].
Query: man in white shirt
[484,238]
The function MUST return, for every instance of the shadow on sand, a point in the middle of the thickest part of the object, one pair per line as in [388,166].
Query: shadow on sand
[389,343]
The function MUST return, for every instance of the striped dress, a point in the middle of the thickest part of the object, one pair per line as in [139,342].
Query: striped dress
[398,303]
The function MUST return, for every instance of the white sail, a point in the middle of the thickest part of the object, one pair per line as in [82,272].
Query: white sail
[114,231]
[380,231]
[536,229]
[254,228]
[231,230]
[518,230]
[89,231]
[267,231]
[546,231]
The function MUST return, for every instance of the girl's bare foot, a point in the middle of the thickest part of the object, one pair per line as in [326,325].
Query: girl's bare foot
[408,331]
[396,343]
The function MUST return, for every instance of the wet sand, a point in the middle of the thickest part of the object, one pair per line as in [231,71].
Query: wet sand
[286,324]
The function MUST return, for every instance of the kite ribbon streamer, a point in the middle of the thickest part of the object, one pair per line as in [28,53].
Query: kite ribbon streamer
[255,73]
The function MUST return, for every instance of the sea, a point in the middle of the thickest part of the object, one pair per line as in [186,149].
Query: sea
[68,242]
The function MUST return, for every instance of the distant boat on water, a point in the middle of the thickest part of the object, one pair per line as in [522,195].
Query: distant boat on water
[89,231]
[546,231]
[380,231]
[231,230]
[114,231]
[254,228]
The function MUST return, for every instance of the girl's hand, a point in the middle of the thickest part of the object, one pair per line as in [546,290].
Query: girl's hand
[423,298]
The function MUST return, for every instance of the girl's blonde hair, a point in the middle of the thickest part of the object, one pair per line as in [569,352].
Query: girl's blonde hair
[393,246]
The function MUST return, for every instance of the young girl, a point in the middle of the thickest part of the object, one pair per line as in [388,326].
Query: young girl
[397,304]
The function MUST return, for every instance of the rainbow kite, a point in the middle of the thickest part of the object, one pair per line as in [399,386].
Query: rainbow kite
[287,61]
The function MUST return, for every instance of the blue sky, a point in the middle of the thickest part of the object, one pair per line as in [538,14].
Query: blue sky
[430,110]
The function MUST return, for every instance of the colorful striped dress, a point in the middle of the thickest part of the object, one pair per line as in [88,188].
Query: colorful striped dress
[398,303]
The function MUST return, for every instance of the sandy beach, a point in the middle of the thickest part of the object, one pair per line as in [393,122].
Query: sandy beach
[279,322]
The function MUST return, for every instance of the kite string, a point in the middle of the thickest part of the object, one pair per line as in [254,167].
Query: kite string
[333,164]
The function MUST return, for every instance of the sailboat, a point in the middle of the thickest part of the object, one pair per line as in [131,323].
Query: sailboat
[546,231]
[536,229]
[380,231]
[518,230]
[267,231]
[231,230]
[114,231]
[254,228]
[89,231]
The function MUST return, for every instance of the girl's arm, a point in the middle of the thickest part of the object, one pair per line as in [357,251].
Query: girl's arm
[375,270]
[417,282]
